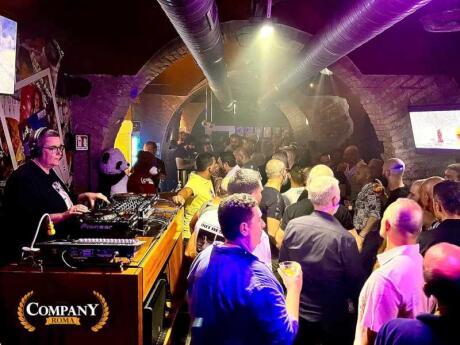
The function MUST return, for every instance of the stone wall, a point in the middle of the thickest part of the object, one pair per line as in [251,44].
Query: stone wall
[386,100]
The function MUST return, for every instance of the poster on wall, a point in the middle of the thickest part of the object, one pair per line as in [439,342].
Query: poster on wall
[248,131]
[239,131]
[259,131]
[31,107]
[7,164]
[267,132]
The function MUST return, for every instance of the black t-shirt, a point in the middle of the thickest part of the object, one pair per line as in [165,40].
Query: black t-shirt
[448,231]
[304,207]
[29,193]
[395,194]
[272,204]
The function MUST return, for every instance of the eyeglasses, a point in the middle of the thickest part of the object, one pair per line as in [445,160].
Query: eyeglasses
[55,149]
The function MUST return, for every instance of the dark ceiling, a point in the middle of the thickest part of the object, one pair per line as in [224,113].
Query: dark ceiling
[118,37]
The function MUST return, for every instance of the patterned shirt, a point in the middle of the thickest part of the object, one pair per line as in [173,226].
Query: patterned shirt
[367,205]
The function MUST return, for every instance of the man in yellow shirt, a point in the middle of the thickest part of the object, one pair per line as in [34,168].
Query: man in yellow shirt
[198,190]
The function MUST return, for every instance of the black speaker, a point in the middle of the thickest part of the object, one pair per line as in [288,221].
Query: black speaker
[154,312]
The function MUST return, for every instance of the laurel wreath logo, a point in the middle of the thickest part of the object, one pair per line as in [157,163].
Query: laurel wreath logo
[21,315]
[105,312]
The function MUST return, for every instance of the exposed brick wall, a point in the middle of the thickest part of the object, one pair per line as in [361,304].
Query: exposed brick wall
[100,113]
[155,112]
[386,100]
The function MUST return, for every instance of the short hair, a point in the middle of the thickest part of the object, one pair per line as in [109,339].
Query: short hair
[319,170]
[244,181]
[189,139]
[321,189]
[405,215]
[151,143]
[455,167]
[274,168]
[447,193]
[204,160]
[228,157]
[281,156]
[47,133]
[234,210]
[296,173]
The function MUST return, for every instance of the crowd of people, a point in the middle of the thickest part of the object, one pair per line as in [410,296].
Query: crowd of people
[378,260]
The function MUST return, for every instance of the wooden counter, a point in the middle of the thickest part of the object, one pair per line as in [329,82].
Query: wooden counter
[90,306]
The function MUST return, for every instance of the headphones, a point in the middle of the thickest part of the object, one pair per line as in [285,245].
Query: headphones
[34,147]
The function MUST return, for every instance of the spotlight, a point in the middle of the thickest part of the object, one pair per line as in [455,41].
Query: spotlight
[326,71]
[312,85]
[266,30]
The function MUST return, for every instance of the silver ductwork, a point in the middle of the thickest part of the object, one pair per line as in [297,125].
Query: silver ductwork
[197,23]
[360,23]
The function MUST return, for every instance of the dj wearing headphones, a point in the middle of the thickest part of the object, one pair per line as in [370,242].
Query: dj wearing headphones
[34,189]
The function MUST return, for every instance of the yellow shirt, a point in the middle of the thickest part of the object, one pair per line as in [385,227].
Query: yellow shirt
[203,191]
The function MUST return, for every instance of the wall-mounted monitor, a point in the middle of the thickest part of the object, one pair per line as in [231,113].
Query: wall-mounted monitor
[436,127]
[8,38]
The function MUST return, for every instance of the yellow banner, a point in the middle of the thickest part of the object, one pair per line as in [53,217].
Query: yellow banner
[62,321]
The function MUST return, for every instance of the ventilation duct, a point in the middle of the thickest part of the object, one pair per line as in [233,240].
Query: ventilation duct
[360,23]
[197,23]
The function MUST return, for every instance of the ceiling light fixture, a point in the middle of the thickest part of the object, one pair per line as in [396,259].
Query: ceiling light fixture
[326,71]
[267,28]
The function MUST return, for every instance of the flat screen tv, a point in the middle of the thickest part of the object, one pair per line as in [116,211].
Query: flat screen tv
[8,37]
[436,127]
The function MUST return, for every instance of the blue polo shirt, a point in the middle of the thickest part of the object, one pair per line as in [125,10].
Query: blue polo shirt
[235,299]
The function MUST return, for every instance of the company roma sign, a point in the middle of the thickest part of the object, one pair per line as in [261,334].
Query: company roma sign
[32,313]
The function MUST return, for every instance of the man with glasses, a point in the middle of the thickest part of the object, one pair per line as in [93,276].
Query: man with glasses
[34,189]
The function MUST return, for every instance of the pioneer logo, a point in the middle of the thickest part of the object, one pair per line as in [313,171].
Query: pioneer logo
[31,311]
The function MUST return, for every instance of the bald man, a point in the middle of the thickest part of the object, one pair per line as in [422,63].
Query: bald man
[393,172]
[304,207]
[395,288]
[442,280]
[446,208]
[272,204]
[426,201]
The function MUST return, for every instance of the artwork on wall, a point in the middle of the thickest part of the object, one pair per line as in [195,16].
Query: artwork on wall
[267,132]
[34,105]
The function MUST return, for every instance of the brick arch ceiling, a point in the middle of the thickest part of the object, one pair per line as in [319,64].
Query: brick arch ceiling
[233,32]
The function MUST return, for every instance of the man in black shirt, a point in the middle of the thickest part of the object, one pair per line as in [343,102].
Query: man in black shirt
[330,264]
[272,204]
[446,205]
[393,172]
[33,190]
[304,207]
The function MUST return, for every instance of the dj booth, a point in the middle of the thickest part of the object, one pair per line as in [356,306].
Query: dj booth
[95,298]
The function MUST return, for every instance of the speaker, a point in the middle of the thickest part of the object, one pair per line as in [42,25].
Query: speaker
[154,312]
[34,147]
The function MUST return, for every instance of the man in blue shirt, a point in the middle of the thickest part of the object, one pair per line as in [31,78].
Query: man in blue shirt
[234,298]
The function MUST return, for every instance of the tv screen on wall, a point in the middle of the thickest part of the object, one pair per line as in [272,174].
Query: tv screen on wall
[436,128]
[8,37]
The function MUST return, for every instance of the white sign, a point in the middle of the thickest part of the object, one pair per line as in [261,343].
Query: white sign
[81,142]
